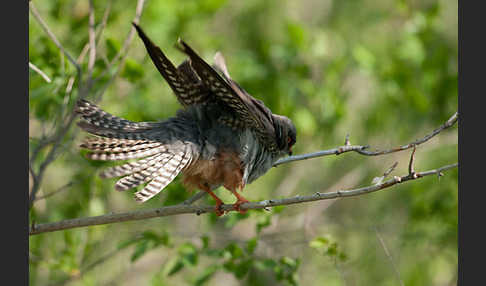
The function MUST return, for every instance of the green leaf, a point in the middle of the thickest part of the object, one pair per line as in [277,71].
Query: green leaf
[319,243]
[214,252]
[229,266]
[127,243]
[296,34]
[278,209]
[150,235]
[332,249]
[156,238]
[292,263]
[233,218]
[251,245]
[132,71]
[188,254]
[262,222]
[342,256]
[234,250]
[265,264]
[173,266]
[207,273]
[140,250]
[205,241]
[242,268]
[112,47]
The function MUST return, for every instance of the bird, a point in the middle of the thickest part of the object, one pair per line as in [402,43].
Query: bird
[222,136]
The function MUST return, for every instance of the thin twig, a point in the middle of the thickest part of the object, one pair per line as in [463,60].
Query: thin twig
[411,170]
[39,71]
[89,267]
[450,122]
[334,151]
[122,53]
[84,51]
[61,189]
[390,170]
[92,42]
[57,138]
[194,198]
[362,149]
[378,180]
[190,209]
[387,253]
[51,35]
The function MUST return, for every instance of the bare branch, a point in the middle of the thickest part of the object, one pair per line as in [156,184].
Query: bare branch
[411,170]
[194,198]
[361,149]
[388,255]
[86,48]
[61,189]
[57,138]
[41,73]
[189,209]
[390,170]
[450,122]
[120,57]
[334,151]
[51,35]
[92,41]
[378,180]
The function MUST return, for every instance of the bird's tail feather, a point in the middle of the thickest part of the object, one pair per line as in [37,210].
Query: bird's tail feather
[121,139]
[99,122]
[165,174]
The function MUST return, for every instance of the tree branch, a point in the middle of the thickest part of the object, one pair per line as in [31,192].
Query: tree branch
[51,35]
[40,72]
[388,255]
[122,54]
[361,149]
[86,48]
[91,42]
[185,207]
[83,92]
[61,189]
[189,209]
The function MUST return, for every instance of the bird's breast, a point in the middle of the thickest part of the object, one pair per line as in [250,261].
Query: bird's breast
[225,168]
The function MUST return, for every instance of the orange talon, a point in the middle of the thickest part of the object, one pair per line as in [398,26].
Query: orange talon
[240,200]
[236,206]
[219,202]
[217,209]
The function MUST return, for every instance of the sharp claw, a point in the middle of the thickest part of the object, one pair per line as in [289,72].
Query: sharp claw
[218,210]
[237,205]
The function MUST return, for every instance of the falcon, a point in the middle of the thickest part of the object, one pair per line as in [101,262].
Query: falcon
[221,137]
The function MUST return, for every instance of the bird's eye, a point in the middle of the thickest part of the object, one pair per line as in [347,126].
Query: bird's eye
[290,142]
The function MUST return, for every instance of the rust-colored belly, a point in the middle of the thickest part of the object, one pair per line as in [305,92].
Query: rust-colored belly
[225,169]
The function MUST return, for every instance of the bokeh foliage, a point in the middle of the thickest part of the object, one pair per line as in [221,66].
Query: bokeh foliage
[383,71]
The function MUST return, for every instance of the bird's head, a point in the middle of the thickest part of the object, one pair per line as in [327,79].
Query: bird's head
[286,133]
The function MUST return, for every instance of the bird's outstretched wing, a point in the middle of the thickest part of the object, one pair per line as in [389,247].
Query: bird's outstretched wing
[248,110]
[182,80]
[195,81]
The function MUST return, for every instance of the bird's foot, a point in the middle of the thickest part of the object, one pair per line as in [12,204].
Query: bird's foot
[217,209]
[238,203]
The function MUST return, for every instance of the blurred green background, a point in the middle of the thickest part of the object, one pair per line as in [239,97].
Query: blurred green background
[383,71]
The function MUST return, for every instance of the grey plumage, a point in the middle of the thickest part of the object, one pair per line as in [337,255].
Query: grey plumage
[218,115]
